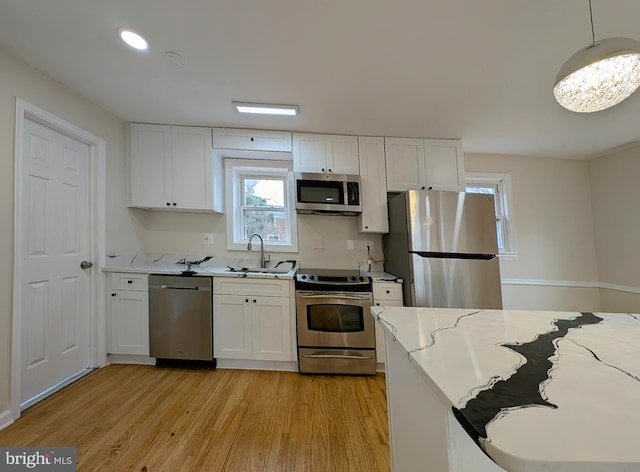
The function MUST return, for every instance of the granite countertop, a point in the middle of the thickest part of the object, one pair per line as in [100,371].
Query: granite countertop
[172,264]
[383,277]
[552,391]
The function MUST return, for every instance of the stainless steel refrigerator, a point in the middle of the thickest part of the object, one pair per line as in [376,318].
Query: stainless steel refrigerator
[444,246]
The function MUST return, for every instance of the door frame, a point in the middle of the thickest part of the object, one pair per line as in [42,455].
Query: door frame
[97,188]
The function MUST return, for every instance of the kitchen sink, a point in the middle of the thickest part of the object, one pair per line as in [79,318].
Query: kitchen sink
[258,270]
[272,267]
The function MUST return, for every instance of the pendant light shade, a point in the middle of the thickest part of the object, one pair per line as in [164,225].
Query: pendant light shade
[599,76]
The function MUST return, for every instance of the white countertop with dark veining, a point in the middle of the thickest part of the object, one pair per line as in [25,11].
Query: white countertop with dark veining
[382,277]
[537,391]
[172,264]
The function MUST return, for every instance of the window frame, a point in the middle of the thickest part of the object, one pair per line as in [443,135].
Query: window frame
[236,170]
[504,207]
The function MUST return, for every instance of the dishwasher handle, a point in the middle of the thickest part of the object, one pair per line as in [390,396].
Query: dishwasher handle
[336,356]
[175,287]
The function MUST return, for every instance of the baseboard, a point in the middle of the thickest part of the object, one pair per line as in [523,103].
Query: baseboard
[257,365]
[6,419]
[130,359]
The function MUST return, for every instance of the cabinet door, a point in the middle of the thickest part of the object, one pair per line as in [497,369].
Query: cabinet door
[251,140]
[373,186]
[271,330]
[342,155]
[309,153]
[444,164]
[232,327]
[191,157]
[405,164]
[149,165]
[384,291]
[129,323]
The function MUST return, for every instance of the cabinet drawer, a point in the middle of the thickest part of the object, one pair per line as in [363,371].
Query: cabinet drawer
[251,140]
[250,286]
[126,281]
[387,291]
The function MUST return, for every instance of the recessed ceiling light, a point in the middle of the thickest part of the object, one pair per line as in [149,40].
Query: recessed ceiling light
[133,39]
[266,108]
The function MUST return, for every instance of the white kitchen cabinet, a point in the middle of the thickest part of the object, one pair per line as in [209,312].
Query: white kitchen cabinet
[319,153]
[385,294]
[128,314]
[424,164]
[252,319]
[171,168]
[373,186]
[252,140]
[232,327]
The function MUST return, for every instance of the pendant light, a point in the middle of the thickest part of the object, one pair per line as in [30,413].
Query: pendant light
[599,76]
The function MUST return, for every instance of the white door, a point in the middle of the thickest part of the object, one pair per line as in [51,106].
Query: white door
[55,289]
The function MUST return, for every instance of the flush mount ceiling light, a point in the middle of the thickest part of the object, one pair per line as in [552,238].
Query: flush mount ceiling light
[133,39]
[266,108]
[599,76]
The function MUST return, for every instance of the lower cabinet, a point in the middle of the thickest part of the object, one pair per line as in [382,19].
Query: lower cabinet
[385,294]
[128,314]
[249,323]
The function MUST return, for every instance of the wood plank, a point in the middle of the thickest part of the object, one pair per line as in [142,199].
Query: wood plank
[135,418]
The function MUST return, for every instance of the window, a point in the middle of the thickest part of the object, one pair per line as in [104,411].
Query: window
[258,202]
[498,185]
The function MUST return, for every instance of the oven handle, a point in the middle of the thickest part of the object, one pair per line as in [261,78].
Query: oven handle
[334,295]
[336,356]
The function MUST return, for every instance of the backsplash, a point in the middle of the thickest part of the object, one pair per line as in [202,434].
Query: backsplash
[323,241]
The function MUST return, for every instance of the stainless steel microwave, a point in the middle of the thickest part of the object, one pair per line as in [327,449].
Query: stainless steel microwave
[332,194]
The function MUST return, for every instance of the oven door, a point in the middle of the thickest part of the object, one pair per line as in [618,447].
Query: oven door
[335,319]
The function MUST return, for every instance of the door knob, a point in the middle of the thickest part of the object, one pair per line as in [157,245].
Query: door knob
[86,265]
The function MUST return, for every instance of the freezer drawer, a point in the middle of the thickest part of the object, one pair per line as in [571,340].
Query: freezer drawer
[180,317]
[455,283]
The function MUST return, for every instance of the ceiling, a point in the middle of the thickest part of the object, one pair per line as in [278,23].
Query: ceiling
[480,71]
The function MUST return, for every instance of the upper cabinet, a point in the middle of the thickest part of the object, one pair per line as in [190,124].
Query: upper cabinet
[252,140]
[319,153]
[171,168]
[373,186]
[424,164]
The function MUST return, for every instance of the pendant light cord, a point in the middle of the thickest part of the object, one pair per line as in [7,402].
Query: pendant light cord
[593,36]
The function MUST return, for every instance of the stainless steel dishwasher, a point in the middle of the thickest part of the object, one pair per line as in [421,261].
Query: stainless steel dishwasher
[180,317]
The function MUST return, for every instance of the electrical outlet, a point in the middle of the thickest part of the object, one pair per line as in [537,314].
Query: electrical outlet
[208,238]
[369,245]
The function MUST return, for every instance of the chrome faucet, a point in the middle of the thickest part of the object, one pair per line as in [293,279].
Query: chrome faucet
[262,260]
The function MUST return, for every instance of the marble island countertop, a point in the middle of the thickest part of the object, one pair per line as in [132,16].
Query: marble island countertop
[537,391]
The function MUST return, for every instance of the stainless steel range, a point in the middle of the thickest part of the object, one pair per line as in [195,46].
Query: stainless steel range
[336,333]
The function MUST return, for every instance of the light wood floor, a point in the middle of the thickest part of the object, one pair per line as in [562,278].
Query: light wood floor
[148,419]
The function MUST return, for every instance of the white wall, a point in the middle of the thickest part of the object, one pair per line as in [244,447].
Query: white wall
[556,263]
[615,184]
[18,79]
[182,233]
